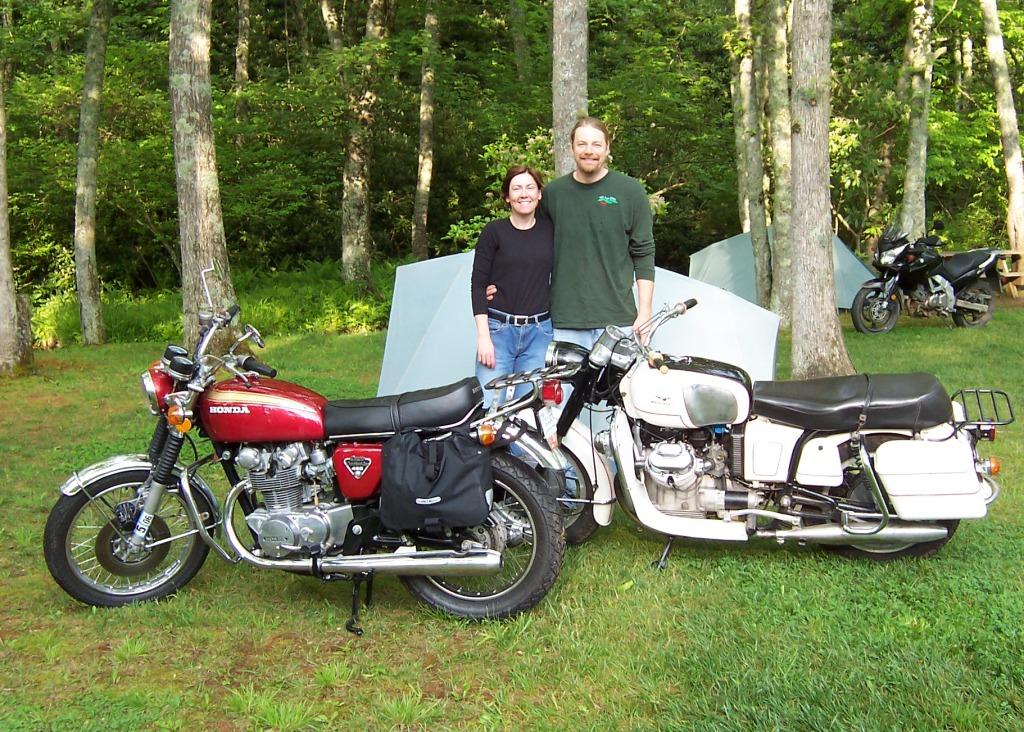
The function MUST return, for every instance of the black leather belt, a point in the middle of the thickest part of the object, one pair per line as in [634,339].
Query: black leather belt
[518,319]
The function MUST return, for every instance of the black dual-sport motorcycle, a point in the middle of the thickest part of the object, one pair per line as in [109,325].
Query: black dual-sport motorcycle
[916,278]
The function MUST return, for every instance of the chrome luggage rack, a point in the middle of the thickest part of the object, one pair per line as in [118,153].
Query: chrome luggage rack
[530,377]
[984,407]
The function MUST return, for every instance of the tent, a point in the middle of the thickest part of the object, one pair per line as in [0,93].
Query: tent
[729,264]
[431,336]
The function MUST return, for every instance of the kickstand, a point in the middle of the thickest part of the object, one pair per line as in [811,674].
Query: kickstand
[353,623]
[663,562]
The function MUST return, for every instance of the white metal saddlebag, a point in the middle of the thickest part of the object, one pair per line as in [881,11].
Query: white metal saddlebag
[931,480]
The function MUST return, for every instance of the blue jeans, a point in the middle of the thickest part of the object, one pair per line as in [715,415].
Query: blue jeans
[516,348]
[585,337]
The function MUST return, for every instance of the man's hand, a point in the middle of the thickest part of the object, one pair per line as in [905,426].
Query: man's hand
[645,296]
[491,291]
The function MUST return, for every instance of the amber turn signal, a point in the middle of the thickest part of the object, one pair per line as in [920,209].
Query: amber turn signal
[486,433]
[177,415]
[995,465]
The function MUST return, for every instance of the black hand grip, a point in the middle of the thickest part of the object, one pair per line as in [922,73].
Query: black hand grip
[251,364]
[233,311]
[691,303]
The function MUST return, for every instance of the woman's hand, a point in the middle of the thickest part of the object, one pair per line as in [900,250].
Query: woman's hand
[485,350]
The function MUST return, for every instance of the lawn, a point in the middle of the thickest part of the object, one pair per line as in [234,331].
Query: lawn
[751,637]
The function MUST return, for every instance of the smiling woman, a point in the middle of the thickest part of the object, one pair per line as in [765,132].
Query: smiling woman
[514,254]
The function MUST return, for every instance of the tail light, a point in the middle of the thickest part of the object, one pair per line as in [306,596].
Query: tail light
[987,433]
[551,392]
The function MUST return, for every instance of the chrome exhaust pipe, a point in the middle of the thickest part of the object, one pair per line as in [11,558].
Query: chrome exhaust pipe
[894,533]
[404,560]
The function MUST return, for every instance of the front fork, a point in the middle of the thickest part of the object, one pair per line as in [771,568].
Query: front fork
[164,449]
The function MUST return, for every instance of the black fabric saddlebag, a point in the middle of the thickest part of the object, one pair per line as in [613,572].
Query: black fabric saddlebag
[434,483]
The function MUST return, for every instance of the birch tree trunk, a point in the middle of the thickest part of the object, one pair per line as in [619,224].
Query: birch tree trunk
[777,66]
[742,188]
[818,348]
[355,207]
[568,76]
[1008,131]
[912,214]
[426,154]
[750,140]
[332,25]
[200,224]
[87,280]
[242,65]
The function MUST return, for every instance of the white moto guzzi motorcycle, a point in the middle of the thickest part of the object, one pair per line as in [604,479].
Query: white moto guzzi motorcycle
[873,465]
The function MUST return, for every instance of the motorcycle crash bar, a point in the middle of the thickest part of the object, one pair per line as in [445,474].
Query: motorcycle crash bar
[404,560]
[833,534]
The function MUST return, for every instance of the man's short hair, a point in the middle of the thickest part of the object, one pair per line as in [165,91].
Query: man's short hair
[594,122]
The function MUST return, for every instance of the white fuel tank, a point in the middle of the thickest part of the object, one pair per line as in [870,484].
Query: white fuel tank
[695,392]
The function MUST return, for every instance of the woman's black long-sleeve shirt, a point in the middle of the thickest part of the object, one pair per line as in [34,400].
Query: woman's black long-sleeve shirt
[519,263]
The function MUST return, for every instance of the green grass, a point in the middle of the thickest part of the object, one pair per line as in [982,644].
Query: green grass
[748,637]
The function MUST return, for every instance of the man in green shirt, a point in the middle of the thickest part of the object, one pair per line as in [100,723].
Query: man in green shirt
[603,240]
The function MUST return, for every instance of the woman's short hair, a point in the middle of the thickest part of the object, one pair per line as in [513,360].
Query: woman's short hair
[594,122]
[519,170]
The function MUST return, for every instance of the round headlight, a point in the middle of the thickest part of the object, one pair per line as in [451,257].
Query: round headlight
[563,353]
[149,393]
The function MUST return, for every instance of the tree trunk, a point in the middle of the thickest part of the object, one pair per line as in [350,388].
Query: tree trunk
[200,224]
[333,26]
[818,348]
[242,65]
[912,214]
[301,26]
[13,353]
[569,30]
[738,117]
[750,121]
[1008,131]
[520,41]
[426,155]
[86,277]
[355,207]
[777,65]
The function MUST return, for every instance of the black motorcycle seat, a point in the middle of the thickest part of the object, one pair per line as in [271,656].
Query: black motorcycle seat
[955,267]
[426,409]
[834,404]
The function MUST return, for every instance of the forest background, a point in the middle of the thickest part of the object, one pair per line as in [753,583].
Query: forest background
[659,73]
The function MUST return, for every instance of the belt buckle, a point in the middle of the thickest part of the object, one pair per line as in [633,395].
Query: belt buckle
[520,320]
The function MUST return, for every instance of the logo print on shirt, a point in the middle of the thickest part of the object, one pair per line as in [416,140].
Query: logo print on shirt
[607,201]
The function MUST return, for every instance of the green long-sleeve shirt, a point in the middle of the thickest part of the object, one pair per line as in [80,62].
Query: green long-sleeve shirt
[603,240]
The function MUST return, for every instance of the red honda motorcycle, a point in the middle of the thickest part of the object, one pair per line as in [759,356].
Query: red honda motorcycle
[305,477]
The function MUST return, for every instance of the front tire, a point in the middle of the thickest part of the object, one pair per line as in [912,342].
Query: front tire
[981,295]
[872,312]
[86,548]
[525,523]
[578,518]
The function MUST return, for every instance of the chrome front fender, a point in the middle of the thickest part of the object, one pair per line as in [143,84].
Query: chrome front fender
[119,463]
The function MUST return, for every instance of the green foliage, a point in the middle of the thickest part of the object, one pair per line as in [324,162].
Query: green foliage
[310,299]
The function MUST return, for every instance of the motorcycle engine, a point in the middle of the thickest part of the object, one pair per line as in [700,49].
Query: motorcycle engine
[289,477]
[938,296]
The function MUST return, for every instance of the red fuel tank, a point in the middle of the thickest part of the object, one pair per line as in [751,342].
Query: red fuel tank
[358,467]
[264,410]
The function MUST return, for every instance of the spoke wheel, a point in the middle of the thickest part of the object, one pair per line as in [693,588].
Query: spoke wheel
[577,518]
[525,526]
[872,312]
[88,549]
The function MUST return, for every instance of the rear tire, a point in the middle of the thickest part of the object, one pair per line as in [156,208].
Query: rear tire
[525,522]
[980,294]
[85,552]
[873,313]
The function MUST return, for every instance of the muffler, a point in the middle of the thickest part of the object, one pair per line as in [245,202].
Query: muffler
[894,533]
[975,306]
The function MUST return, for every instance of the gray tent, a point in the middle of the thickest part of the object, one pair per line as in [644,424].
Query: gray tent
[432,339]
[729,264]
